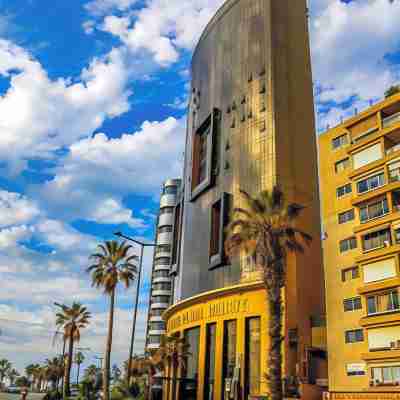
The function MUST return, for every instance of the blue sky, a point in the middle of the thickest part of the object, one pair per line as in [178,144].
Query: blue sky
[92,120]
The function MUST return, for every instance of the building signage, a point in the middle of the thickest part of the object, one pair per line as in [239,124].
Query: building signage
[356,367]
[364,396]
[212,310]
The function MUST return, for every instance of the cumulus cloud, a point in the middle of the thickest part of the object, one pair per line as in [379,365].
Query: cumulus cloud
[102,7]
[97,172]
[350,45]
[39,115]
[163,27]
[16,209]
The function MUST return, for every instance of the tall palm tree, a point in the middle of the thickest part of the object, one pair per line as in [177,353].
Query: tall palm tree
[79,360]
[72,320]
[35,376]
[54,370]
[113,264]
[5,366]
[12,375]
[265,227]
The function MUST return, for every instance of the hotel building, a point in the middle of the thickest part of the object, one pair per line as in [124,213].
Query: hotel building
[360,186]
[250,127]
[161,284]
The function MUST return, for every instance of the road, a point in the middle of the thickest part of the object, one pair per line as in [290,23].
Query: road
[6,396]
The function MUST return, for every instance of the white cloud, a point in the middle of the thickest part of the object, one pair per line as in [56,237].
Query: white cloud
[89,26]
[16,209]
[349,44]
[39,115]
[163,27]
[102,7]
[99,171]
[10,237]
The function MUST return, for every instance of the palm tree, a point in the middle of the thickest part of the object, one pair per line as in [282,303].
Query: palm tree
[112,264]
[12,374]
[79,360]
[266,228]
[172,354]
[71,320]
[91,372]
[54,370]
[35,376]
[29,372]
[5,366]
[116,373]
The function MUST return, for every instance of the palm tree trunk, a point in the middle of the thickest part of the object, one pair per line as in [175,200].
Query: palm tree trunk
[106,371]
[67,375]
[275,335]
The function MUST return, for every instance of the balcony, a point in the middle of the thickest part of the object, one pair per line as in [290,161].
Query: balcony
[391,120]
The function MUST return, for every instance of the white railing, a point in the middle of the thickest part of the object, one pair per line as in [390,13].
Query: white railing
[392,119]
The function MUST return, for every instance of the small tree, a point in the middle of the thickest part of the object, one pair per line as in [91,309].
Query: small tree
[5,366]
[394,89]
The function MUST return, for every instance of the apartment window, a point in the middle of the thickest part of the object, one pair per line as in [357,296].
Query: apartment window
[219,220]
[162,261]
[165,229]
[341,165]
[346,216]
[163,273]
[352,304]
[396,200]
[157,326]
[371,183]
[163,248]
[376,240]
[158,312]
[367,156]
[386,375]
[354,336]
[340,141]
[394,172]
[154,339]
[355,369]
[347,244]
[202,156]
[160,299]
[374,210]
[384,302]
[397,235]
[350,273]
[166,210]
[162,286]
[343,190]
[170,190]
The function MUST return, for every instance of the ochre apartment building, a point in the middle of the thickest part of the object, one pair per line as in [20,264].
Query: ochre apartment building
[360,186]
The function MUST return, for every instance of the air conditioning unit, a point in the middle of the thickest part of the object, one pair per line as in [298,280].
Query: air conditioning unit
[393,345]
[325,396]
[386,243]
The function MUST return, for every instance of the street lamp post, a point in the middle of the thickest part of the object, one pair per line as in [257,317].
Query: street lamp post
[142,246]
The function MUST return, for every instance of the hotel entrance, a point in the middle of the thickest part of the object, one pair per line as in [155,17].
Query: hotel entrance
[225,331]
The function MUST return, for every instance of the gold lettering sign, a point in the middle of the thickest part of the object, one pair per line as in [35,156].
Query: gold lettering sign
[364,396]
[209,311]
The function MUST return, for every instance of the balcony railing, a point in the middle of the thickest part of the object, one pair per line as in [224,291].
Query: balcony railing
[392,149]
[392,119]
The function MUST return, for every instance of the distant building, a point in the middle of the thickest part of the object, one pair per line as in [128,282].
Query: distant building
[250,126]
[161,284]
[360,186]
